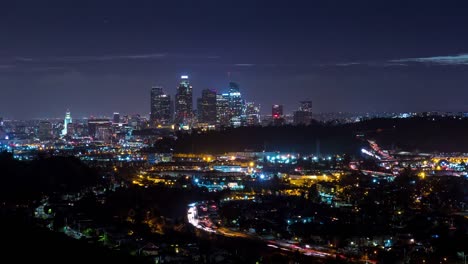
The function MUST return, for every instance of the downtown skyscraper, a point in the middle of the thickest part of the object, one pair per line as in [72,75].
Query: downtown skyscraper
[236,105]
[66,122]
[231,108]
[184,102]
[161,107]
[207,107]
[116,118]
[303,116]
[222,110]
[252,114]
[277,114]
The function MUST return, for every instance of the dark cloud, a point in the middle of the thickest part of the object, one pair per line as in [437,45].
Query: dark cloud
[455,60]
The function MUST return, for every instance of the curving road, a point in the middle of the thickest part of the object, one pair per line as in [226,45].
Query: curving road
[202,223]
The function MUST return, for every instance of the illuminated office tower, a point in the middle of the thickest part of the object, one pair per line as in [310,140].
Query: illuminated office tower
[184,102]
[66,122]
[104,134]
[277,114]
[161,110]
[222,110]
[207,107]
[277,111]
[116,118]
[252,114]
[99,128]
[303,116]
[236,105]
[305,106]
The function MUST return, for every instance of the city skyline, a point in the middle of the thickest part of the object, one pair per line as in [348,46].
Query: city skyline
[350,57]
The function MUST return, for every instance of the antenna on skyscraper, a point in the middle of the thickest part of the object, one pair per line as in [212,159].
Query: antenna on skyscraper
[229,76]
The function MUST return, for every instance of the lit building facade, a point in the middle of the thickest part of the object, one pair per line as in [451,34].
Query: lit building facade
[305,106]
[161,107]
[116,118]
[303,116]
[99,129]
[252,114]
[184,102]
[277,111]
[66,122]
[277,114]
[222,110]
[207,107]
[104,133]
[236,105]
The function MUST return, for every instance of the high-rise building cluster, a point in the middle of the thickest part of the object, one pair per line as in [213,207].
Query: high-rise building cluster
[214,110]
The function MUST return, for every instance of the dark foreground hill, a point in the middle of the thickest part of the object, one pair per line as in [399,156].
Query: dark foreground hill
[23,242]
[429,134]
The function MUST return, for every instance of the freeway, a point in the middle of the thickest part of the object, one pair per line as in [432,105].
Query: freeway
[201,222]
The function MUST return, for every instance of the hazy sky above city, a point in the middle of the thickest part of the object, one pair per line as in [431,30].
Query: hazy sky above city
[97,57]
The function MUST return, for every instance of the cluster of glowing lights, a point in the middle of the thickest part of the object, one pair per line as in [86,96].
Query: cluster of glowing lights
[285,158]
[365,151]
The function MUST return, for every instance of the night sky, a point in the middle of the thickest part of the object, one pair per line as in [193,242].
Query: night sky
[97,57]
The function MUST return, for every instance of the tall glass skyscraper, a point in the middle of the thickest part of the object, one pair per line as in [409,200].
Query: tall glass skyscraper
[184,102]
[236,105]
[161,109]
[252,114]
[222,110]
[207,107]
